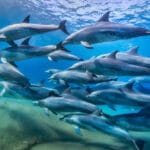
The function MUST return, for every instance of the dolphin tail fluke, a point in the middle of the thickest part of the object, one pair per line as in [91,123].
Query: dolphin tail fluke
[60,46]
[62,26]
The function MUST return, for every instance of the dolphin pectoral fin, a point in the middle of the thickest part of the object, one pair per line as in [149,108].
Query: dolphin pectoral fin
[77,130]
[112,55]
[12,43]
[26,41]
[26,19]
[2,37]
[133,51]
[86,44]
[4,60]
[63,82]
[105,17]
[50,58]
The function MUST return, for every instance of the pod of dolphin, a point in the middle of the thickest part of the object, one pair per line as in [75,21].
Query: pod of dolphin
[85,85]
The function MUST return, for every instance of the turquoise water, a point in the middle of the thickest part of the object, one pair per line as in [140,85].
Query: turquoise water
[78,13]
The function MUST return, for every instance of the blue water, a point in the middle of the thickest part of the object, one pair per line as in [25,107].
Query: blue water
[78,13]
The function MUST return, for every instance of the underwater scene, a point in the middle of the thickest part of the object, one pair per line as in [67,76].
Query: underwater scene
[74,75]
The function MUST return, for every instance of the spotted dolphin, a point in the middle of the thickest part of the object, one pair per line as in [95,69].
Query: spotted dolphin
[14,32]
[104,31]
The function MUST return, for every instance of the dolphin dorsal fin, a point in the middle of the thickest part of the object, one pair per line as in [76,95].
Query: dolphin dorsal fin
[133,51]
[97,113]
[113,55]
[105,17]
[67,91]
[129,86]
[26,41]
[26,19]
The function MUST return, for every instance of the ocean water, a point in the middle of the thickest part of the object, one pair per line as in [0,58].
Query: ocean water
[24,126]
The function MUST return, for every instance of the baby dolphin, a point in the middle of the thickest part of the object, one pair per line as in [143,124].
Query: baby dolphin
[25,29]
[66,105]
[96,123]
[104,31]
[62,55]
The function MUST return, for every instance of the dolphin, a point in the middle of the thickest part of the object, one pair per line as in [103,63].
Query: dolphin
[96,123]
[136,96]
[62,55]
[9,72]
[109,85]
[25,51]
[66,105]
[132,57]
[110,65]
[104,31]
[142,84]
[137,121]
[112,97]
[123,96]
[70,76]
[14,32]
[17,90]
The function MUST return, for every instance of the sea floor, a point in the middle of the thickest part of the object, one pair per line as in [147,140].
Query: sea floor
[24,126]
